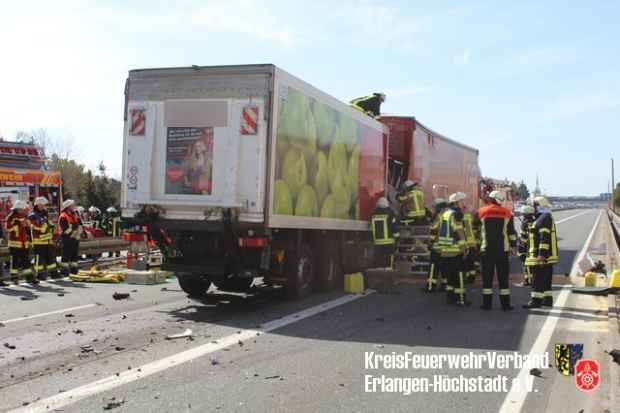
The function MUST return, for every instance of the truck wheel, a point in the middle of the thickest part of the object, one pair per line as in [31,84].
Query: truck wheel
[299,273]
[194,285]
[329,267]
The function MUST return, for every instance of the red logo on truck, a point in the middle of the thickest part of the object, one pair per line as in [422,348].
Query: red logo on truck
[138,120]
[249,120]
[587,375]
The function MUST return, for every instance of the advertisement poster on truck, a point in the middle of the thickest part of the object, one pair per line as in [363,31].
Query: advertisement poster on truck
[325,161]
[189,160]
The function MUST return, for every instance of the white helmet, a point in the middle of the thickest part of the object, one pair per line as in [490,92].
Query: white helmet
[497,195]
[527,210]
[456,197]
[19,204]
[41,201]
[93,209]
[542,201]
[111,210]
[80,209]
[68,203]
[383,202]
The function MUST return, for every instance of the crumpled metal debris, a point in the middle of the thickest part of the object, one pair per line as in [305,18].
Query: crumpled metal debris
[186,334]
[120,296]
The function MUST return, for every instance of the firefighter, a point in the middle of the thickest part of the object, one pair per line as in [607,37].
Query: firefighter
[42,231]
[370,105]
[384,233]
[527,218]
[412,203]
[471,240]
[433,283]
[18,231]
[453,248]
[542,253]
[499,239]
[94,214]
[71,231]
[111,222]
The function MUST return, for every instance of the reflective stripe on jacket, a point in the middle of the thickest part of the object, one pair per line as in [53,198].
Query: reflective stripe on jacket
[451,237]
[382,224]
[412,204]
[468,225]
[17,231]
[543,241]
[41,228]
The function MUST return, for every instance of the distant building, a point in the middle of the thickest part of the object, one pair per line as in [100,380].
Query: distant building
[605,196]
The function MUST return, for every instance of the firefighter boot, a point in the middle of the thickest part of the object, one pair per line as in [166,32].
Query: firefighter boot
[547,301]
[450,296]
[487,301]
[505,302]
[533,303]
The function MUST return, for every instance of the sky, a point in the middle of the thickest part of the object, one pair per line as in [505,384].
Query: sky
[533,85]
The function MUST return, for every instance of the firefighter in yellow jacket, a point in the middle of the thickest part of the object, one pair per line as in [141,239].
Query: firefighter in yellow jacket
[18,234]
[453,249]
[412,205]
[527,219]
[383,223]
[42,230]
[471,238]
[433,283]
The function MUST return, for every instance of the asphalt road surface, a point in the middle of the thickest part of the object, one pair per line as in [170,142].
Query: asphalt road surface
[76,349]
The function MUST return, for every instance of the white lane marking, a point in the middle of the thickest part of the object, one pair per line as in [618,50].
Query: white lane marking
[572,216]
[553,312]
[575,269]
[64,310]
[71,396]
[513,403]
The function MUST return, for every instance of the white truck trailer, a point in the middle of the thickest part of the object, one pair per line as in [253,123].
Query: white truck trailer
[247,171]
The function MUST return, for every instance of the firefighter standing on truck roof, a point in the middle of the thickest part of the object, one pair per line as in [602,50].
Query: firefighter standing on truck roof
[383,223]
[527,218]
[42,240]
[499,239]
[471,238]
[453,249]
[18,231]
[370,105]
[412,203]
[542,254]
[433,283]
[71,231]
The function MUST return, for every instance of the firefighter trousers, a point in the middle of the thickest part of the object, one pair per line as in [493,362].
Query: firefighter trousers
[70,249]
[452,268]
[492,263]
[433,282]
[470,262]
[384,256]
[19,262]
[44,260]
[542,279]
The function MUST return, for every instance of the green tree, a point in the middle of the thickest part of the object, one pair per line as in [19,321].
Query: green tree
[523,192]
[617,196]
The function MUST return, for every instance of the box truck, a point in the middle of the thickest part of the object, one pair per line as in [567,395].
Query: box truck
[440,165]
[246,171]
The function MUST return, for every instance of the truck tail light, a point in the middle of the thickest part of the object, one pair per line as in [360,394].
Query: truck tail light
[258,242]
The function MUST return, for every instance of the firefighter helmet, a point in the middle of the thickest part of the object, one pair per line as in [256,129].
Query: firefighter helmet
[41,200]
[383,202]
[456,197]
[19,204]
[497,196]
[68,203]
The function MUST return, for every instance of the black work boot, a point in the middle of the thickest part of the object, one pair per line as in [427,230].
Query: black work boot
[547,302]
[450,297]
[505,302]
[487,301]
[534,303]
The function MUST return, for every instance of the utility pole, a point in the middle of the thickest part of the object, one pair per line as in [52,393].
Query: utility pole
[613,187]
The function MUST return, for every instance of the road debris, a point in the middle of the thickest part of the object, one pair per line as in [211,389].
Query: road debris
[615,354]
[214,362]
[272,377]
[69,315]
[61,294]
[113,403]
[9,346]
[536,373]
[240,343]
[28,298]
[124,317]
[87,348]
[119,348]
[120,296]
[186,334]
[78,331]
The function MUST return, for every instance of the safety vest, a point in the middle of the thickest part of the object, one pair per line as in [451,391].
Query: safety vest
[18,232]
[381,229]
[69,225]
[468,225]
[433,229]
[524,237]
[41,228]
[451,238]
[543,241]
[413,204]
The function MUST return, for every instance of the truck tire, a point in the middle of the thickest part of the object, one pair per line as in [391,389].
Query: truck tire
[299,273]
[194,285]
[329,266]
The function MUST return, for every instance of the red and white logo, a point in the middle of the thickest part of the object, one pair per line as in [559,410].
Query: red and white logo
[587,375]
[249,120]
[138,120]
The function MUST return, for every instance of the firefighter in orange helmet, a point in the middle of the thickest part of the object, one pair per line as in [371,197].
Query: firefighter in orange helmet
[18,231]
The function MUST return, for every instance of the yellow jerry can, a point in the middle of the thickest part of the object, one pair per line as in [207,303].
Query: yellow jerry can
[591,279]
[615,279]
[354,283]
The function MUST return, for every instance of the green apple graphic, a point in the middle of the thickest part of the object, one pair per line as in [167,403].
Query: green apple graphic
[294,170]
[307,204]
[282,199]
